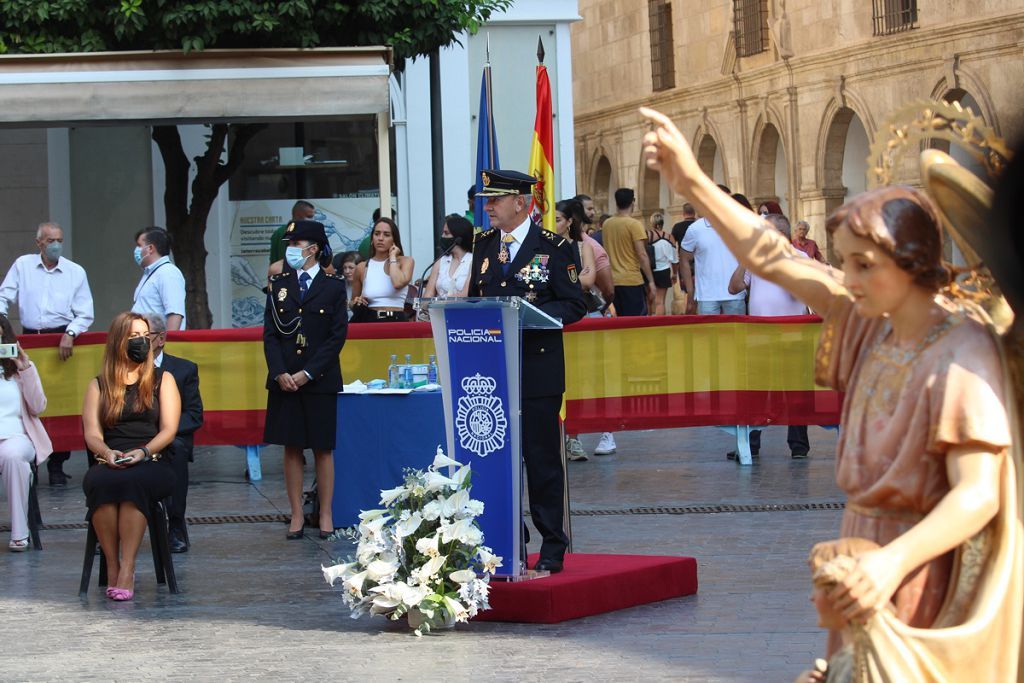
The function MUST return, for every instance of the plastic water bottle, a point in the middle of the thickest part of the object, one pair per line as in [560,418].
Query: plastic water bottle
[432,370]
[407,372]
[393,378]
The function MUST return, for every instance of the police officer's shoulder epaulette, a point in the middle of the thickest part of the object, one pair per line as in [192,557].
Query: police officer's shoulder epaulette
[333,275]
[484,234]
[275,278]
[553,237]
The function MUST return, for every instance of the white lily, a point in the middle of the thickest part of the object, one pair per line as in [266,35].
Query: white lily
[335,572]
[462,576]
[434,481]
[488,560]
[454,504]
[428,546]
[430,568]
[389,496]
[456,609]
[407,527]
[461,475]
[442,460]
[367,515]
[373,527]
[380,569]
[354,584]
[463,531]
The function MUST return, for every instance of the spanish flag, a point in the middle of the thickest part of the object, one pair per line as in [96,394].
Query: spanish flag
[542,207]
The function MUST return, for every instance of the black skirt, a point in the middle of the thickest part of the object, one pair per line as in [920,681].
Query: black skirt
[140,484]
[301,420]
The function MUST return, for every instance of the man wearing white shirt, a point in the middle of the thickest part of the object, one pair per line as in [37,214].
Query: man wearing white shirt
[53,297]
[162,287]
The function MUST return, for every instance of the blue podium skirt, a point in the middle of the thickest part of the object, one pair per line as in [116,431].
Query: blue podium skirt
[300,420]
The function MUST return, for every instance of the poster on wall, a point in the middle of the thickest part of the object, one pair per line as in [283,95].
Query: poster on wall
[346,221]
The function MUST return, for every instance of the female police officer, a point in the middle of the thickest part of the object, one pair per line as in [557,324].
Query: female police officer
[304,328]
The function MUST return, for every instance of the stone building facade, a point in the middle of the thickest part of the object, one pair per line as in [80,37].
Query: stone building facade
[788,113]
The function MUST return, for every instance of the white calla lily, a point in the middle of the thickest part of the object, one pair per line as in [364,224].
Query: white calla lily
[428,546]
[335,572]
[380,569]
[407,527]
[462,576]
[461,475]
[434,481]
[367,515]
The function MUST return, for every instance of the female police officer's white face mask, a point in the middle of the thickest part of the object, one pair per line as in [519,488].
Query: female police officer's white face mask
[294,257]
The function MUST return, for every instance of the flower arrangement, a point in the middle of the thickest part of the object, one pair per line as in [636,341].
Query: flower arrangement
[421,555]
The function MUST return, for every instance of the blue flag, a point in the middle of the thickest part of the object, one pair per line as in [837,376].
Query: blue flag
[486,147]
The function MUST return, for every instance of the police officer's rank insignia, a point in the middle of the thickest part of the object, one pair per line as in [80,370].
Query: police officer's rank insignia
[484,265]
[572,273]
[531,296]
[290,228]
[282,294]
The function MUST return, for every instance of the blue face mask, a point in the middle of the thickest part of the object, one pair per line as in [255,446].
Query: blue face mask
[138,256]
[294,257]
[53,251]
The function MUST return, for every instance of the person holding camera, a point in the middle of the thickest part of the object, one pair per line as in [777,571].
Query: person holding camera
[129,418]
[22,436]
[304,329]
[381,282]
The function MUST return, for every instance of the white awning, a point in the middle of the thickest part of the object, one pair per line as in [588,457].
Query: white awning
[208,87]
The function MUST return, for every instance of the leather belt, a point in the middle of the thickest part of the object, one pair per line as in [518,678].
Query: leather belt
[48,330]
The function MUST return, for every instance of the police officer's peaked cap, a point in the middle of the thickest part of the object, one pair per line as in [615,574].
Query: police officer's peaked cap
[312,231]
[497,183]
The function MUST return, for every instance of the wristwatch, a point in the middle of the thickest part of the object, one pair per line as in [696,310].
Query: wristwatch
[71,333]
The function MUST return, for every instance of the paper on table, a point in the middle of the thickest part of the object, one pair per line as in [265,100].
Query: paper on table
[356,387]
[428,387]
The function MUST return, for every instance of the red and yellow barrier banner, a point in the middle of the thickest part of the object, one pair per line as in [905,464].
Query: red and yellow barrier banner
[621,374]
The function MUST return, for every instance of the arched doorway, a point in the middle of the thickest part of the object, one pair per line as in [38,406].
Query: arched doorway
[846,162]
[602,184]
[710,159]
[771,177]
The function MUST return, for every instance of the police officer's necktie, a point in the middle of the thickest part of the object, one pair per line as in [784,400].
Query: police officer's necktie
[504,255]
[303,285]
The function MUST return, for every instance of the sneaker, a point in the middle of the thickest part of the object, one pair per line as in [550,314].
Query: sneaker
[574,450]
[606,446]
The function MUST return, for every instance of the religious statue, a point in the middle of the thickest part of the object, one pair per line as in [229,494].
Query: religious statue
[928,454]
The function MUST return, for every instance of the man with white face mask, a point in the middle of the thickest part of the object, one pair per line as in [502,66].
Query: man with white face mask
[53,298]
[161,289]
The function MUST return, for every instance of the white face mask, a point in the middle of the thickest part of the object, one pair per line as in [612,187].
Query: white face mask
[294,257]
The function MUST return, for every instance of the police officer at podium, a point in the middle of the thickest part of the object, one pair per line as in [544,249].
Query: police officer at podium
[304,328]
[517,257]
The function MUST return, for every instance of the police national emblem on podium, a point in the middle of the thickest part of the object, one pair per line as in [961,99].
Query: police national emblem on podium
[480,421]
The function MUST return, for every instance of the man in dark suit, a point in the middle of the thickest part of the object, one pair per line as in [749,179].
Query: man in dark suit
[186,376]
[516,257]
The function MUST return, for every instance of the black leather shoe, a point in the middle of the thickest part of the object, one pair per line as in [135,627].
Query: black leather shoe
[177,542]
[58,479]
[546,565]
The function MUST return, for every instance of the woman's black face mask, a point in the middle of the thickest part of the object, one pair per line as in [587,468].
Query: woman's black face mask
[138,349]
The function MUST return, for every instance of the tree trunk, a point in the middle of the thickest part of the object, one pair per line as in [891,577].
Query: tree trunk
[187,224]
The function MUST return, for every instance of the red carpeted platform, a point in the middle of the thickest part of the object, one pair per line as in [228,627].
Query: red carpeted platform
[592,584]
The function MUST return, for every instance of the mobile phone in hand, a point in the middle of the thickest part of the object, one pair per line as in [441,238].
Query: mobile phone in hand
[8,350]
[122,460]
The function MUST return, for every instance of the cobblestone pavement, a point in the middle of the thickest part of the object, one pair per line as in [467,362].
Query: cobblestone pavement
[255,606]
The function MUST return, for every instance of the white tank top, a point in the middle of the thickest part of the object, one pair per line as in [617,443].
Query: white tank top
[377,288]
[10,408]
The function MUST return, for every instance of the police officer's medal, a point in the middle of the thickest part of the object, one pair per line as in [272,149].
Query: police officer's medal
[484,265]
[573,277]
[282,294]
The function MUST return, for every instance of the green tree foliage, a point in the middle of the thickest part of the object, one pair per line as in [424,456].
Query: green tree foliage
[409,27]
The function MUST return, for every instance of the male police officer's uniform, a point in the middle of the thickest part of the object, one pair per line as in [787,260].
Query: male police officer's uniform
[304,333]
[545,272]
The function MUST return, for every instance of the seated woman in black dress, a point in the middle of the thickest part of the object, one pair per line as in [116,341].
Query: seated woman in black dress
[130,418]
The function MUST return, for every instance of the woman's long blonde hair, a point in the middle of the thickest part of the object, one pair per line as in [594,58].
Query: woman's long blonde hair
[116,367]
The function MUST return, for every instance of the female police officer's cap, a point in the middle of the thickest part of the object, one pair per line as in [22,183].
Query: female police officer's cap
[312,231]
[496,183]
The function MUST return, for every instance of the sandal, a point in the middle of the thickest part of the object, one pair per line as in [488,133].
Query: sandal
[18,546]
[120,594]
